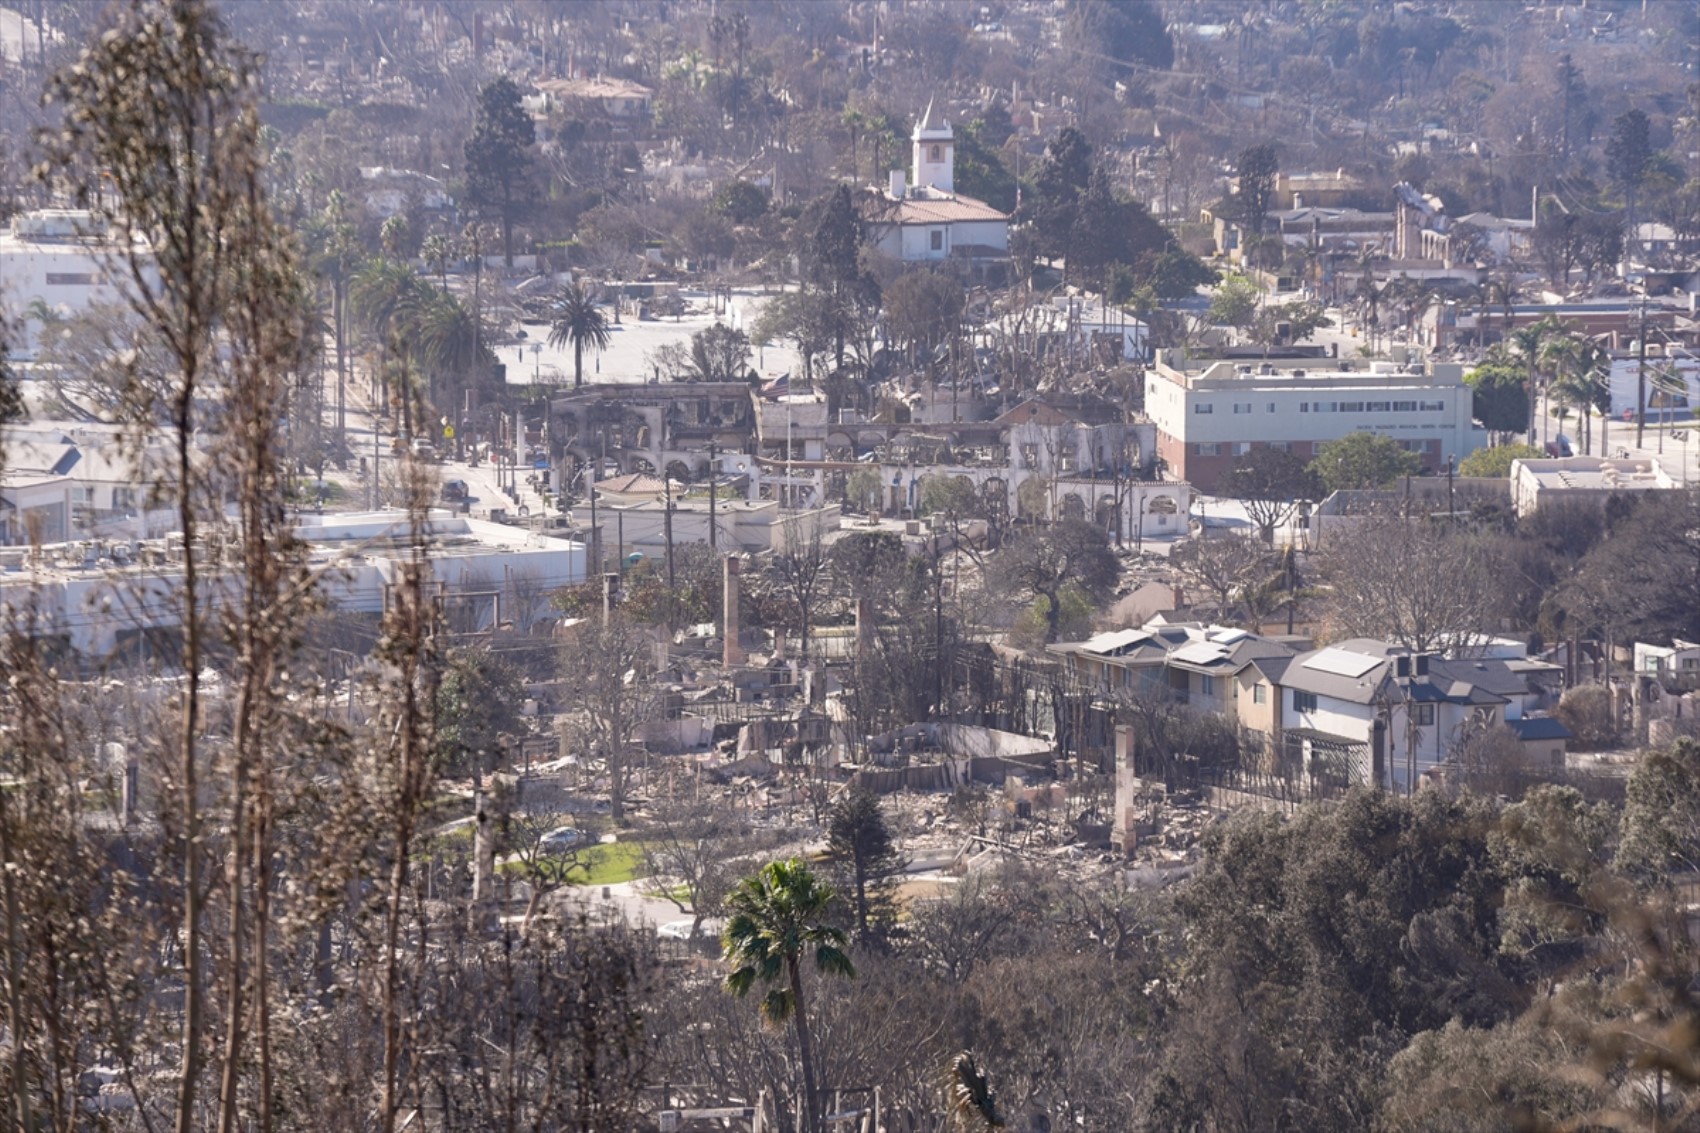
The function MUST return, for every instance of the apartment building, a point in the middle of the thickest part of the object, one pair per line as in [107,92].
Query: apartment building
[1206,418]
[53,263]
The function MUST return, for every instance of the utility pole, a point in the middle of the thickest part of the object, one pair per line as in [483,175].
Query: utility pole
[938,627]
[713,491]
[1641,377]
[1451,467]
[595,531]
[1292,583]
[667,526]
[377,447]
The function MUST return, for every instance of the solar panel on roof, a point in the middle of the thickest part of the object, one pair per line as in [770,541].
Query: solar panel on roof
[1199,653]
[1114,640]
[1229,636]
[1342,663]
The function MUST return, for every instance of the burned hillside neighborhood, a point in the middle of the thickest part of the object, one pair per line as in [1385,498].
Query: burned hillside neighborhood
[902,566]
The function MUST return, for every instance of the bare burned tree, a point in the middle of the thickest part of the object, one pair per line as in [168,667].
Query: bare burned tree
[697,846]
[605,673]
[1409,582]
[1229,569]
[162,109]
[799,575]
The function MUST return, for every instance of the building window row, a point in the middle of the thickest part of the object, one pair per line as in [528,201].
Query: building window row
[1304,701]
[1370,407]
[1240,448]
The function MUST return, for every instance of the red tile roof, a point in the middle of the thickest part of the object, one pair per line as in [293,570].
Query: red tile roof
[934,207]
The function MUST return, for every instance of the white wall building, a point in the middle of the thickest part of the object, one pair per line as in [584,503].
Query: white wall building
[98,596]
[930,221]
[1679,658]
[1207,418]
[1566,479]
[1363,711]
[56,256]
[69,481]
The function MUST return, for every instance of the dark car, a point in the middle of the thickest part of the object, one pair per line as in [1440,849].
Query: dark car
[455,490]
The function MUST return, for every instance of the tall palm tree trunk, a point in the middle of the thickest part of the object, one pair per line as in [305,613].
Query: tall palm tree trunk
[805,1047]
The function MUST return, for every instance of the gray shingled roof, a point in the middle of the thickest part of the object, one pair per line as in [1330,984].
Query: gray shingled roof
[1457,682]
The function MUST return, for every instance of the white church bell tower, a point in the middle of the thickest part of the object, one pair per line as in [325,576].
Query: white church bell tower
[935,152]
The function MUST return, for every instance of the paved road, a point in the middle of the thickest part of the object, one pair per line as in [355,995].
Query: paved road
[1680,457]
[371,451]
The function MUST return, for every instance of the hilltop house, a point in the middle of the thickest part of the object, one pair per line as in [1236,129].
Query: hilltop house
[930,222]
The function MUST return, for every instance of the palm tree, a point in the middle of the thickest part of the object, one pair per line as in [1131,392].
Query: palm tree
[1527,342]
[1413,297]
[1503,291]
[579,321]
[393,235]
[436,251]
[446,340]
[1579,367]
[1369,296]
[380,296]
[972,1104]
[777,917]
[335,255]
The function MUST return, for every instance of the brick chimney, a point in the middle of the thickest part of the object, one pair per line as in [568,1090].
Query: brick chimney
[731,653]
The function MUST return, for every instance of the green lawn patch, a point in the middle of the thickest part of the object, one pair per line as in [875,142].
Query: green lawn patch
[609,864]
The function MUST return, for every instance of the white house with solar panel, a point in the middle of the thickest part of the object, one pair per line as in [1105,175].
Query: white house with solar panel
[1357,713]
[1367,712]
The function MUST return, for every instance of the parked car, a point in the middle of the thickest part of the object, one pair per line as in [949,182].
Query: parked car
[561,840]
[455,490]
[424,449]
[710,929]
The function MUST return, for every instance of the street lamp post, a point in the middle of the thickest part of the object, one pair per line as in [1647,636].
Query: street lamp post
[1451,467]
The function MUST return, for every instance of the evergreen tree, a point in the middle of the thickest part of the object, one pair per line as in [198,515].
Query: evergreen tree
[1257,166]
[1573,105]
[861,846]
[1499,394]
[831,255]
[1095,234]
[498,157]
[980,172]
[1131,33]
[1363,460]
[1063,175]
[1629,152]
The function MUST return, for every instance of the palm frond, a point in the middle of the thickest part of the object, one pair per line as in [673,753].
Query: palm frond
[832,961]
[777,1005]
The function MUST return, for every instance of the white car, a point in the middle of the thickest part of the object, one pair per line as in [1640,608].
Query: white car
[557,841]
[710,929]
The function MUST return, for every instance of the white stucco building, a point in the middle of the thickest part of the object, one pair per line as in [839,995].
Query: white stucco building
[97,596]
[59,257]
[1595,479]
[930,221]
[1207,418]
